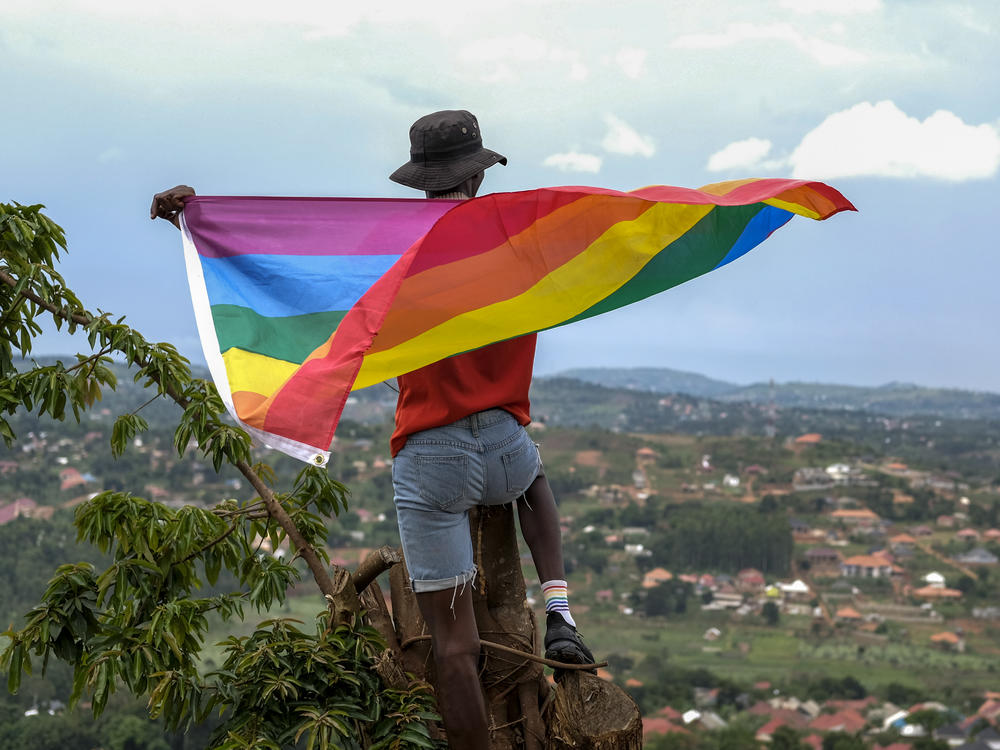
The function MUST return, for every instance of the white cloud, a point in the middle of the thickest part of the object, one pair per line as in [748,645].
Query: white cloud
[632,61]
[838,7]
[574,161]
[745,154]
[621,138]
[822,51]
[881,140]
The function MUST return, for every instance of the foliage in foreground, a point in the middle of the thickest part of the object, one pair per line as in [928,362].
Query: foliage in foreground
[139,623]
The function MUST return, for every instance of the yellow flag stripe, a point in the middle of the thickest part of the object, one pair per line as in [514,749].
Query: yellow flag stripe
[795,208]
[607,263]
[249,371]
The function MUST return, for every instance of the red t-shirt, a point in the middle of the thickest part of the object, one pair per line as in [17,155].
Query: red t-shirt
[497,376]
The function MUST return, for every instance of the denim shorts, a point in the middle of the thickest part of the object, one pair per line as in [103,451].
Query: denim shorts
[486,458]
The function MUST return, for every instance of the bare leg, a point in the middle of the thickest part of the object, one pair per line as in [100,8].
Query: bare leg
[539,518]
[455,640]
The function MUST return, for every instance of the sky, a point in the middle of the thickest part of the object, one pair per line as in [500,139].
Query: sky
[896,103]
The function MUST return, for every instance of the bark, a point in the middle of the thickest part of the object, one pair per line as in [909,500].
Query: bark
[374,565]
[340,594]
[591,714]
[524,711]
[511,685]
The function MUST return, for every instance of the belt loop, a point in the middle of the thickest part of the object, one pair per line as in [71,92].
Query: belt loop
[475,424]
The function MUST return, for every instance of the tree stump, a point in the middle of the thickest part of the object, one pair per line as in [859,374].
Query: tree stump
[582,712]
[512,686]
[591,714]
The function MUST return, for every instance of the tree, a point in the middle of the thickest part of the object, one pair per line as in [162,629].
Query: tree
[928,718]
[771,613]
[903,695]
[843,741]
[966,584]
[132,733]
[137,622]
[786,738]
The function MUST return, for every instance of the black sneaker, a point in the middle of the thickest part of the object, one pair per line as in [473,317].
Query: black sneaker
[563,643]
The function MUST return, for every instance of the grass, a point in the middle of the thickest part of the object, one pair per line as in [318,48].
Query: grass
[782,653]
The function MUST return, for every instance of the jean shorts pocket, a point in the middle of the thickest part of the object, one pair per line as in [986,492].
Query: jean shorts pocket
[521,466]
[443,479]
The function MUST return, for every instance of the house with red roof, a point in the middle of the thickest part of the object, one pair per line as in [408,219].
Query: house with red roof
[69,478]
[653,725]
[937,592]
[848,614]
[766,732]
[847,720]
[669,712]
[856,516]
[655,577]
[990,710]
[23,506]
[866,566]
[750,579]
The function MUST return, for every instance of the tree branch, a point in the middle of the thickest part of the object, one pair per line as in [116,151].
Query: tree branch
[514,652]
[341,596]
[374,565]
[246,510]
[232,527]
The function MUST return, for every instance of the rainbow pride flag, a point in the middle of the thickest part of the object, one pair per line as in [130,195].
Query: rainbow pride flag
[301,300]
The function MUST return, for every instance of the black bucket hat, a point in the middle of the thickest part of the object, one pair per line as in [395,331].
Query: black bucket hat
[446,149]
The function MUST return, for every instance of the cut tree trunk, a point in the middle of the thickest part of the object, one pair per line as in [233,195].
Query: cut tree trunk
[591,714]
[524,711]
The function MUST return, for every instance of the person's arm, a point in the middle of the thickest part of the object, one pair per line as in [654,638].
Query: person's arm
[168,204]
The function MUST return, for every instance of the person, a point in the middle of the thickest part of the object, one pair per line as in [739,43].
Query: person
[460,441]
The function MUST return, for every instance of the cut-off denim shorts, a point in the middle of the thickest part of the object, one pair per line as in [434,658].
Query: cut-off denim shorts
[486,458]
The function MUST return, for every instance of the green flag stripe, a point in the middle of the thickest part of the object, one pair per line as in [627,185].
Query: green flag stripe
[291,339]
[698,251]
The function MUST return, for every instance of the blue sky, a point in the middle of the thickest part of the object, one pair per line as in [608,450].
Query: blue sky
[894,102]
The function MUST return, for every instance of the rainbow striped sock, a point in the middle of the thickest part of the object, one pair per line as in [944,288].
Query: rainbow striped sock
[557,599]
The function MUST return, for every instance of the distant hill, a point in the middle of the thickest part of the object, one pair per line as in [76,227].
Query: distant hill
[892,399]
[653,379]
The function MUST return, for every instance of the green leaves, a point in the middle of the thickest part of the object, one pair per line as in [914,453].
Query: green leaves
[202,423]
[29,248]
[139,624]
[125,428]
[320,687]
[315,485]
